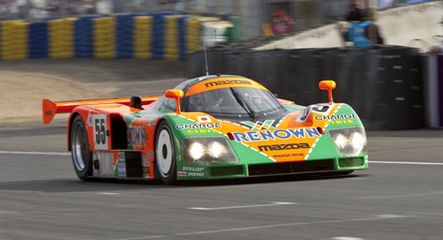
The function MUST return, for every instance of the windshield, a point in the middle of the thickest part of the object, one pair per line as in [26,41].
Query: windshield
[232,101]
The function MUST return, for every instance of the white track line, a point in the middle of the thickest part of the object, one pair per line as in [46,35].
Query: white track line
[244,206]
[346,238]
[408,163]
[36,153]
[261,227]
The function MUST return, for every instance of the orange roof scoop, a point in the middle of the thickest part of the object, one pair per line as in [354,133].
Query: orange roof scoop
[328,85]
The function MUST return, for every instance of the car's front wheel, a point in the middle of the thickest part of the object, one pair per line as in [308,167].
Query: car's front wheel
[81,155]
[165,154]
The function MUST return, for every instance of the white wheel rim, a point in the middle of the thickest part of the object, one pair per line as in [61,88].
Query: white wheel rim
[164,153]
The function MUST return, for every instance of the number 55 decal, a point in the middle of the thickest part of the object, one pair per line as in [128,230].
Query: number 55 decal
[99,126]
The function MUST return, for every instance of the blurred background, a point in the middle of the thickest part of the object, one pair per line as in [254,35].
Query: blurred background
[384,54]
[307,13]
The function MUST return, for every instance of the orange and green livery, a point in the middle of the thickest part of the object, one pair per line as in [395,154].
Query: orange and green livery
[212,127]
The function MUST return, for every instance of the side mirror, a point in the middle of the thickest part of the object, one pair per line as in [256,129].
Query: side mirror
[176,94]
[136,102]
[328,85]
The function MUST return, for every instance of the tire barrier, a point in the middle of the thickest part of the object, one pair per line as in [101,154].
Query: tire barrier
[158,45]
[83,37]
[14,40]
[182,37]
[171,37]
[140,36]
[61,38]
[104,37]
[38,41]
[124,35]
[384,84]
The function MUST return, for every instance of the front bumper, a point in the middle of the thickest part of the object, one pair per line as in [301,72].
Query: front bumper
[272,169]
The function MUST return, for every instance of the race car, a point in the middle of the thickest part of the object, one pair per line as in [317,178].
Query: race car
[211,127]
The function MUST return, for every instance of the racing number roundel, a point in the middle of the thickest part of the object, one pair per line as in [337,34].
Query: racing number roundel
[100,138]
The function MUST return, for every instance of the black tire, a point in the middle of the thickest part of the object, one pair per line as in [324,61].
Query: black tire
[165,158]
[81,155]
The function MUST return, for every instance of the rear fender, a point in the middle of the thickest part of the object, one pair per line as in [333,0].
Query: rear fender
[98,127]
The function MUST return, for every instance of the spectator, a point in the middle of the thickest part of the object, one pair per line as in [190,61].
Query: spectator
[281,22]
[365,33]
[356,11]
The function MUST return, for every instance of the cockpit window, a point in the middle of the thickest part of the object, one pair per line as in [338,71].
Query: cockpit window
[232,101]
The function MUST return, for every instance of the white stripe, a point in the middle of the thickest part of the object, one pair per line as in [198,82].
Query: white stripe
[108,193]
[346,238]
[36,153]
[408,163]
[245,206]
[293,224]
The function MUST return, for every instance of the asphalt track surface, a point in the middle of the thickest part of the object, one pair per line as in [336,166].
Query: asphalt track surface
[399,197]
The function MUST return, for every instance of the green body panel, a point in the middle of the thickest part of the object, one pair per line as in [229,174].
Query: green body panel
[323,149]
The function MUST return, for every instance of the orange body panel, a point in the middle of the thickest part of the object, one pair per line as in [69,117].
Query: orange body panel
[50,108]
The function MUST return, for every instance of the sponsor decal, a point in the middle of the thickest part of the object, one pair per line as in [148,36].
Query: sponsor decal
[181,174]
[268,124]
[320,109]
[278,147]
[150,154]
[286,155]
[121,165]
[146,165]
[226,82]
[197,126]
[348,121]
[193,171]
[137,136]
[204,119]
[280,134]
[100,132]
[200,131]
[335,117]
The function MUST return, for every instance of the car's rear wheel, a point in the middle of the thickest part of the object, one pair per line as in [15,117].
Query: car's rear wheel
[165,154]
[81,155]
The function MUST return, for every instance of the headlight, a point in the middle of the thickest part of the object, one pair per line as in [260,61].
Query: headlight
[358,141]
[216,149]
[340,141]
[196,150]
[207,150]
[349,141]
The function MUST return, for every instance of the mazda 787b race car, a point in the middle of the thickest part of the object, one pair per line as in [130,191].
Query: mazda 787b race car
[211,127]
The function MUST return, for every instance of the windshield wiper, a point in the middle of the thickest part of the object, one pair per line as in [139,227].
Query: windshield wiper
[243,103]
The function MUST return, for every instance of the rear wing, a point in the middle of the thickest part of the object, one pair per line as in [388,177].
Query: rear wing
[50,108]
